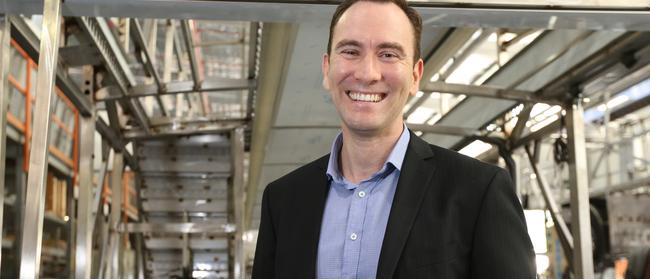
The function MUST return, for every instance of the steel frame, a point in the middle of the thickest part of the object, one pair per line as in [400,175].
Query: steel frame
[237,247]
[138,39]
[583,266]
[5,58]
[85,221]
[32,228]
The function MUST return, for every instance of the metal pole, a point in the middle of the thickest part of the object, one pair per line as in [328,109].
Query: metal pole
[237,153]
[35,200]
[4,105]
[563,231]
[116,214]
[85,222]
[583,266]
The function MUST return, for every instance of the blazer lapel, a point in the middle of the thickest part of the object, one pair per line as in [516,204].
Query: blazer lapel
[413,181]
[310,212]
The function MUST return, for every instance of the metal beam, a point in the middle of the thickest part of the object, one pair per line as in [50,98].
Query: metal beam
[277,44]
[253,62]
[486,91]
[138,39]
[583,266]
[182,87]
[237,155]
[114,62]
[183,130]
[83,250]
[189,46]
[115,246]
[116,142]
[32,228]
[560,225]
[186,227]
[443,130]
[5,58]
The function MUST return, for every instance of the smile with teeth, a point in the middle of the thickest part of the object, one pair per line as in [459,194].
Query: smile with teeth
[365,97]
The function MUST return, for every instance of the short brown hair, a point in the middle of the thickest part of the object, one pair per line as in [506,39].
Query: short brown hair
[413,16]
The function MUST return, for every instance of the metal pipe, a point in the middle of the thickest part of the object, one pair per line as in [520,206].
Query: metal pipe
[32,228]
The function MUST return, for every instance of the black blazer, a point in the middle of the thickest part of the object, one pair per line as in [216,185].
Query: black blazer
[452,217]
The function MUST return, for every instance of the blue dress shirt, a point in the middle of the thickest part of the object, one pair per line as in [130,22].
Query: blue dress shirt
[355,216]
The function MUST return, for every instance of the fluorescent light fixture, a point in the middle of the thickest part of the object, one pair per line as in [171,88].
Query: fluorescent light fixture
[544,123]
[435,77]
[539,108]
[420,115]
[475,148]
[542,263]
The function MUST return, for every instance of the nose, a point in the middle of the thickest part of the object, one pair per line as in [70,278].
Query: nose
[368,70]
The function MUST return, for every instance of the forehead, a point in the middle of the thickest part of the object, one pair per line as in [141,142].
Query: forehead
[374,23]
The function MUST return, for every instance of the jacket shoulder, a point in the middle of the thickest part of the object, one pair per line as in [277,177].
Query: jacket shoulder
[298,176]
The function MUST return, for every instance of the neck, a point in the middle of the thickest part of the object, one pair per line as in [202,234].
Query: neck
[364,154]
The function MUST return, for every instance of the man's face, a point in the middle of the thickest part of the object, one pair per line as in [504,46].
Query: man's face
[370,71]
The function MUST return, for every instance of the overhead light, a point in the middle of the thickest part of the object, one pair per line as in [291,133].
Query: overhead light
[475,148]
[420,115]
[544,123]
[435,77]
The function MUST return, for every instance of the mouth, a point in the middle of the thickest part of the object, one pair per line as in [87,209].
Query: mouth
[365,97]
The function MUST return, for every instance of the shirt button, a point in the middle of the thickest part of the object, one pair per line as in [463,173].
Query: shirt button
[362,194]
[353,236]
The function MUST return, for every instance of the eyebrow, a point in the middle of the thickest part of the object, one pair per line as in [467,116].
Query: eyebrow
[344,43]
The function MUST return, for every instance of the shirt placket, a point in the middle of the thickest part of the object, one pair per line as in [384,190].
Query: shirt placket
[354,231]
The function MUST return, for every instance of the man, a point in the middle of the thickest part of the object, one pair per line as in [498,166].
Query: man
[385,204]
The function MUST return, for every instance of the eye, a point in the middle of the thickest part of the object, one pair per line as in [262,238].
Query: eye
[349,52]
[388,55]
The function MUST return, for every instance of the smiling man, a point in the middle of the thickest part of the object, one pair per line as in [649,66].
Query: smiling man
[384,203]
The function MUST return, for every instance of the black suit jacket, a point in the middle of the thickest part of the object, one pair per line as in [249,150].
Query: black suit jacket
[452,217]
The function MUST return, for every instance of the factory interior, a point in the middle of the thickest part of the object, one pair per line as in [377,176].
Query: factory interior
[137,136]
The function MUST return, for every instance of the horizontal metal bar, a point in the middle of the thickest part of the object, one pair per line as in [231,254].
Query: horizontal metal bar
[181,130]
[195,243]
[486,91]
[164,120]
[443,130]
[181,87]
[203,205]
[206,227]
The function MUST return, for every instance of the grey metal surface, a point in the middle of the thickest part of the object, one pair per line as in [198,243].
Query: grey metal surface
[583,266]
[85,220]
[32,228]
[5,54]
[513,14]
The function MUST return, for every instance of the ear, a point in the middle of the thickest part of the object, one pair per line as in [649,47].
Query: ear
[418,69]
[325,67]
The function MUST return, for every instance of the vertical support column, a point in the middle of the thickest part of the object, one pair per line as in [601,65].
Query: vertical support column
[4,104]
[116,215]
[237,154]
[35,200]
[583,266]
[85,221]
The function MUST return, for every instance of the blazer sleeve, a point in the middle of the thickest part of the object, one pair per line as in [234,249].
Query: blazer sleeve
[501,245]
[264,262]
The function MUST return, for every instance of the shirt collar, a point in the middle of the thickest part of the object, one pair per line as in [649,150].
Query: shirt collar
[395,158]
